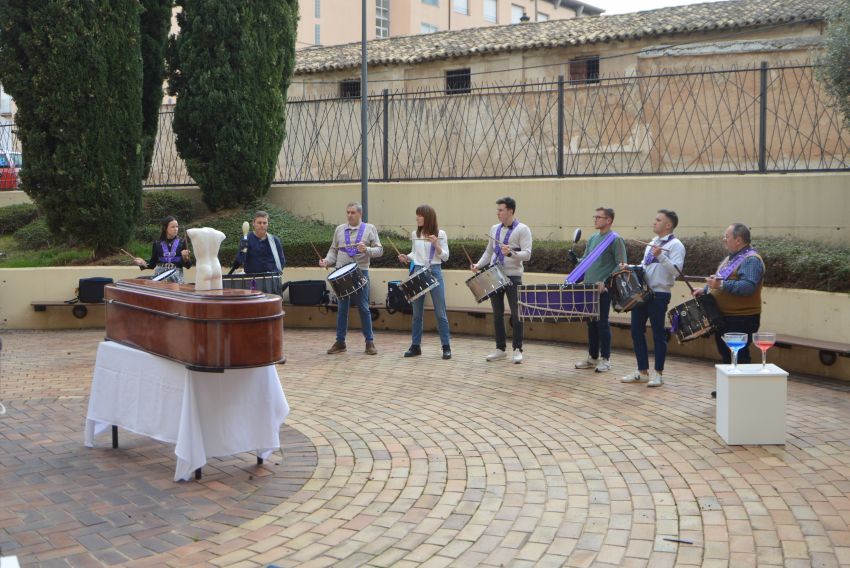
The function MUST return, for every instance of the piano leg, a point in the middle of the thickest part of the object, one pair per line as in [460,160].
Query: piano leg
[114,436]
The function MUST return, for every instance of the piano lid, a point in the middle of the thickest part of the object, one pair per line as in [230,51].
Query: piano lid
[186,292]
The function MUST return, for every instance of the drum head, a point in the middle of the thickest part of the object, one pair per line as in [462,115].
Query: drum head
[342,270]
[164,275]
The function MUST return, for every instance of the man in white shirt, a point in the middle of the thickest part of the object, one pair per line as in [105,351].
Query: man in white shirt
[661,257]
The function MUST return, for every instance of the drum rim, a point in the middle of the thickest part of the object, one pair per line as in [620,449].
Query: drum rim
[344,269]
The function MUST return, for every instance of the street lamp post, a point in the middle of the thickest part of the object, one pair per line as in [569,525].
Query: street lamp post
[364,118]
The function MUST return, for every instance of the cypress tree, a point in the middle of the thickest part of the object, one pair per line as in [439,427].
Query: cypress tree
[834,61]
[75,72]
[230,67]
[154,23]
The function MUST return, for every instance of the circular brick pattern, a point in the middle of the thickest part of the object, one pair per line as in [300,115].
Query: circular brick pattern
[429,462]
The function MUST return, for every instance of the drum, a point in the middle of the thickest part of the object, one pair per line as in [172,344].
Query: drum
[487,282]
[558,302]
[267,282]
[698,317]
[418,284]
[628,290]
[346,280]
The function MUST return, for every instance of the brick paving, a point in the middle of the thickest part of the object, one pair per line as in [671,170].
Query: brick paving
[424,462]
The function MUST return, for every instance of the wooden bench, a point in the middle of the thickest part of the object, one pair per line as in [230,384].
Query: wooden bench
[79,309]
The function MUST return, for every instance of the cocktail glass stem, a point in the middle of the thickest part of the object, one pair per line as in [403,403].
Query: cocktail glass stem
[763,359]
[734,358]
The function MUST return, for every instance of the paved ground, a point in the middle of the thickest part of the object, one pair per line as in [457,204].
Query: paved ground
[424,462]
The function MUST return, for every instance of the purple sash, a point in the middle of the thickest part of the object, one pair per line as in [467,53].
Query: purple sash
[732,263]
[169,254]
[500,256]
[649,258]
[578,272]
[350,250]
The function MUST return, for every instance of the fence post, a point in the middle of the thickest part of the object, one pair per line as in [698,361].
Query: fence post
[386,150]
[560,126]
[763,118]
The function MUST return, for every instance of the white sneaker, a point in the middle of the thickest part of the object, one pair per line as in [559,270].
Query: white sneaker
[635,377]
[496,355]
[604,365]
[656,380]
[588,363]
[517,356]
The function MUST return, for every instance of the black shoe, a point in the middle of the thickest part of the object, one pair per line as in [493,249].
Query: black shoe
[447,352]
[713,394]
[414,351]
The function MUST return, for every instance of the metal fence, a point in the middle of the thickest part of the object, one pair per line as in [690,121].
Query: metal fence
[767,119]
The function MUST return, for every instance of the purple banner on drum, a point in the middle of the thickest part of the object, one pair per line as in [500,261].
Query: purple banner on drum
[558,302]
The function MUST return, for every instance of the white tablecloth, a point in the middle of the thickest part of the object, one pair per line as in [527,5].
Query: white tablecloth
[204,414]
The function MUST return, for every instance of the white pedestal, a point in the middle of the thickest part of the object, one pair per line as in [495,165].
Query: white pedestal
[751,404]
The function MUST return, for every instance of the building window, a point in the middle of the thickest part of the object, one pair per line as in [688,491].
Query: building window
[431,2]
[490,11]
[584,71]
[382,18]
[427,28]
[349,89]
[318,8]
[458,81]
[541,17]
[462,6]
[318,38]
[517,13]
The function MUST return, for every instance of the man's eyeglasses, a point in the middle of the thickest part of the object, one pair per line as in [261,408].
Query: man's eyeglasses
[595,217]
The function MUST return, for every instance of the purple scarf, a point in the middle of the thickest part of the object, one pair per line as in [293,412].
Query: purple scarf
[649,258]
[578,272]
[350,250]
[500,256]
[728,266]
[169,254]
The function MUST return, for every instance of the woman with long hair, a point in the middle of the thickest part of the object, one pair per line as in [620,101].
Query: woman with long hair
[167,253]
[430,249]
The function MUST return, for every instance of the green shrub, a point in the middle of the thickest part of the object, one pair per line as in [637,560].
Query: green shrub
[34,236]
[159,204]
[13,217]
[147,233]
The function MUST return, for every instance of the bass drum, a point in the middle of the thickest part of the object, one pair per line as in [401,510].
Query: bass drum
[346,280]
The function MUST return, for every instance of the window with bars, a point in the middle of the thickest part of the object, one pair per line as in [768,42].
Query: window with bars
[584,71]
[428,28]
[462,6]
[458,81]
[541,17]
[382,18]
[491,11]
[431,2]
[317,39]
[349,89]
[516,13]
[318,8]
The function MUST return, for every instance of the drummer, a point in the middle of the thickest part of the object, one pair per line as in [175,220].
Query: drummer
[354,241]
[660,259]
[430,249]
[261,252]
[513,248]
[167,253]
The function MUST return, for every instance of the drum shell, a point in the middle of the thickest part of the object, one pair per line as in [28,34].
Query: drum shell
[418,284]
[558,302]
[267,282]
[487,282]
[344,283]
[628,290]
[695,318]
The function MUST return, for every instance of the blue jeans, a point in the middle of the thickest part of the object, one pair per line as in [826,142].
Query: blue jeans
[361,297]
[438,296]
[655,311]
[599,331]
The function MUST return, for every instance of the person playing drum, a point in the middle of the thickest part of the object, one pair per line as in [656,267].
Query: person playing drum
[737,288]
[169,252]
[354,241]
[509,244]
[430,249]
[660,259]
[607,251]
[260,251]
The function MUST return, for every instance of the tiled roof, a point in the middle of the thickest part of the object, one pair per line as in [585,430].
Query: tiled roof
[710,16]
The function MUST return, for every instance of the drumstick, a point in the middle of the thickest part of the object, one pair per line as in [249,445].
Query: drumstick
[127,253]
[393,245]
[498,243]
[649,244]
[315,250]
[469,258]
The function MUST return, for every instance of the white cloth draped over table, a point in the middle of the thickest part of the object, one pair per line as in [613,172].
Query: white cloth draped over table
[204,414]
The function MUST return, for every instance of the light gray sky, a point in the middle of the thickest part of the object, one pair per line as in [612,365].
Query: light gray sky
[626,6]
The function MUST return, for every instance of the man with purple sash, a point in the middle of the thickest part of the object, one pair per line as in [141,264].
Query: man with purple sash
[169,253]
[605,251]
[354,241]
[737,289]
[509,245]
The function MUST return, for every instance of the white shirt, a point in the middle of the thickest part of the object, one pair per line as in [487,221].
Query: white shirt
[661,275]
[422,249]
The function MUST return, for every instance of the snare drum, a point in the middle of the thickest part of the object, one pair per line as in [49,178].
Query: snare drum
[698,317]
[346,280]
[488,282]
[558,302]
[418,284]
[628,290]
[267,282]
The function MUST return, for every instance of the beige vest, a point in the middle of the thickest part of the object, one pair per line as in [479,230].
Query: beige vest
[732,305]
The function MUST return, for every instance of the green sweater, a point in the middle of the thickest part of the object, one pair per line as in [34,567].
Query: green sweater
[606,264]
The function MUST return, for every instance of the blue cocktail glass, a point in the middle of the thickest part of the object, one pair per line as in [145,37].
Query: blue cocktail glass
[735,342]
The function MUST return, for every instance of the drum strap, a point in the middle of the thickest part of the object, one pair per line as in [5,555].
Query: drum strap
[649,258]
[732,263]
[500,256]
[578,272]
[352,251]
[273,240]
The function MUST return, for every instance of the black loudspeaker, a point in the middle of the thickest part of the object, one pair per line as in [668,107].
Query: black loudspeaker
[308,293]
[91,289]
[396,301]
